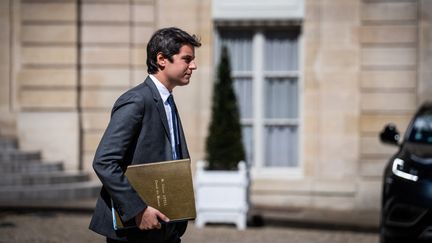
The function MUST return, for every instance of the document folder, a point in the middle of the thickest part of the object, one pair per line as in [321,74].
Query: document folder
[166,186]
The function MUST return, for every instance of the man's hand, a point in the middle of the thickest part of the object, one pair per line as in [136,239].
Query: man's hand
[148,219]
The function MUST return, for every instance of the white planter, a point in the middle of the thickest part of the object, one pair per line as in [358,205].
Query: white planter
[221,196]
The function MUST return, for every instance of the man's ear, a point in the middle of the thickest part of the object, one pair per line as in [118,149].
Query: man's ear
[161,60]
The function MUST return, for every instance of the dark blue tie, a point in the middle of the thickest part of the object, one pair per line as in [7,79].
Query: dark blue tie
[175,126]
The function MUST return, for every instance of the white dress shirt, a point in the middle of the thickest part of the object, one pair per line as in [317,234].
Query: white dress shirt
[164,93]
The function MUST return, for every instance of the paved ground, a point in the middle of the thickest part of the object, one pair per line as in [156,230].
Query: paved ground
[52,227]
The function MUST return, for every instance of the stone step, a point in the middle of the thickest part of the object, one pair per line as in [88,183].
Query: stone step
[8,143]
[13,155]
[20,179]
[30,167]
[61,192]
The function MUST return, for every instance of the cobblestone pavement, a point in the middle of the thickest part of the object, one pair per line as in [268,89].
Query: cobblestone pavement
[48,227]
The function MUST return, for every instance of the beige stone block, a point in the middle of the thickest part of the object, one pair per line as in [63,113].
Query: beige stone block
[390,11]
[339,36]
[309,162]
[48,55]
[333,202]
[391,79]
[49,99]
[372,146]
[99,98]
[143,1]
[375,123]
[49,33]
[336,123]
[388,34]
[105,12]
[424,84]
[55,134]
[193,138]
[88,165]
[338,156]
[47,77]
[105,77]
[139,56]
[45,11]
[346,187]
[142,34]
[139,75]
[144,13]
[369,195]
[91,140]
[104,34]
[261,186]
[373,167]
[393,56]
[397,101]
[337,60]
[170,17]
[95,121]
[281,201]
[340,101]
[337,11]
[105,55]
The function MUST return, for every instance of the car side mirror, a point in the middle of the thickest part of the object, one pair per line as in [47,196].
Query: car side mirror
[390,134]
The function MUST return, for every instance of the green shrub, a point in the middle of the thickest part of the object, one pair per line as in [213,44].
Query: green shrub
[224,147]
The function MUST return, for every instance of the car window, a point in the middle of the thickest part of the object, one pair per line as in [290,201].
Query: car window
[422,129]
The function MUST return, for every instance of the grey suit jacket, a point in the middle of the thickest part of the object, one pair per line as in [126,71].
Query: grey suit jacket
[137,133]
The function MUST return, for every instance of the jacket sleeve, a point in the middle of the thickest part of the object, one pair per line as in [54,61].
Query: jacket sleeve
[124,126]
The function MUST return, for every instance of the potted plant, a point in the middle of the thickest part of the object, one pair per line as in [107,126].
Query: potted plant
[222,187]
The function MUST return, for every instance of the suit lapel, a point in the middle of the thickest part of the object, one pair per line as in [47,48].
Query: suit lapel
[159,105]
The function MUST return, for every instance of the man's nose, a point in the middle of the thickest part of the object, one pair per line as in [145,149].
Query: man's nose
[193,65]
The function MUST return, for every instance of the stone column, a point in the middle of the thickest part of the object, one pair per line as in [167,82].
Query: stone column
[388,84]
[47,80]
[7,54]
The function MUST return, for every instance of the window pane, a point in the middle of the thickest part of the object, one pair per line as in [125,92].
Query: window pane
[281,98]
[281,146]
[239,44]
[243,90]
[248,143]
[281,50]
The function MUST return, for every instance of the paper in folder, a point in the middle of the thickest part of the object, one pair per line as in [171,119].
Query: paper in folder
[166,186]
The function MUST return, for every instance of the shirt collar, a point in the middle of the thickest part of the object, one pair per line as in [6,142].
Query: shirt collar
[163,91]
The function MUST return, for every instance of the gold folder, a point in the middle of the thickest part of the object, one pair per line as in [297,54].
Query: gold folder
[166,186]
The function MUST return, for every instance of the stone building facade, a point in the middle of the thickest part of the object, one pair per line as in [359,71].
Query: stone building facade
[359,65]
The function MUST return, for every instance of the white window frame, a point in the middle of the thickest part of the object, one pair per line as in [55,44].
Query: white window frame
[258,122]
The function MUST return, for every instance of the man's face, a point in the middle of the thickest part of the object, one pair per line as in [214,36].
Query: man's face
[179,71]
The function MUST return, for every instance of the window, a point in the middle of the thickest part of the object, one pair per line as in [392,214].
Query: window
[265,70]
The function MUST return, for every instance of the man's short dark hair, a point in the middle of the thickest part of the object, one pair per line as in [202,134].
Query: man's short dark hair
[167,41]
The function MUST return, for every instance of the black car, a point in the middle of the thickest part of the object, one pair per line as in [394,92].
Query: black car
[406,214]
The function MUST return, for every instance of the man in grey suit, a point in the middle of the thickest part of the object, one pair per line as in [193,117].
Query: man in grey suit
[144,128]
